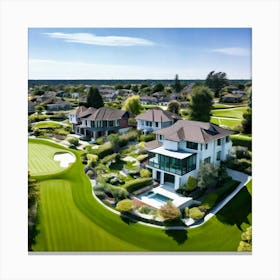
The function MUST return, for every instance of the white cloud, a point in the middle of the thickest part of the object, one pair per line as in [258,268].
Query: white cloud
[233,51]
[91,39]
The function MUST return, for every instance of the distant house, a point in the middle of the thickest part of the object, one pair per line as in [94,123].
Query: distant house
[175,96]
[148,100]
[95,123]
[154,119]
[75,95]
[231,98]
[163,101]
[31,107]
[179,150]
[47,96]
[59,105]
[109,97]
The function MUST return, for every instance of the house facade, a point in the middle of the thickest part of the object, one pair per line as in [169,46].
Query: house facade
[155,119]
[181,148]
[95,123]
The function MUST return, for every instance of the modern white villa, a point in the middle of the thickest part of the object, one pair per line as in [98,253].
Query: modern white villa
[154,119]
[181,148]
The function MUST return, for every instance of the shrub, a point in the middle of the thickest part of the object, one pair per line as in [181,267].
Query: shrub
[136,184]
[74,141]
[114,138]
[195,213]
[241,140]
[147,137]
[208,202]
[145,173]
[92,159]
[191,183]
[142,157]
[169,211]
[103,150]
[99,141]
[90,173]
[125,205]
[109,159]
[145,210]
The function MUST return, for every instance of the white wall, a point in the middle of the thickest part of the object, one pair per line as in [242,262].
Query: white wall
[170,145]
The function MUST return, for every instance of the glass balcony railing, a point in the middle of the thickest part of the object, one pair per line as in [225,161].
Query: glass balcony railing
[178,170]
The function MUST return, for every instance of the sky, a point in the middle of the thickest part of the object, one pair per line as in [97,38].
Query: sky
[138,53]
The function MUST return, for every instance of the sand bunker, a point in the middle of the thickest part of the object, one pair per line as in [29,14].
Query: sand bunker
[64,158]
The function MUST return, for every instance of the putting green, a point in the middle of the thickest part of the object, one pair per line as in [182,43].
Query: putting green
[40,159]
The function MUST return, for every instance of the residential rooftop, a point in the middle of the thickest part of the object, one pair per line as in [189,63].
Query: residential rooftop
[193,131]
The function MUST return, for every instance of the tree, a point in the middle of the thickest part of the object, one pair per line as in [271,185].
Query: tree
[207,175]
[174,107]
[33,191]
[158,87]
[169,211]
[124,205]
[216,81]
[177,84]
[135,88]
[94,99]
[132,104]
[200,105]
[247,122]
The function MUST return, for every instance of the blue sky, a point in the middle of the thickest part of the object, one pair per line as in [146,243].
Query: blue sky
[138,53]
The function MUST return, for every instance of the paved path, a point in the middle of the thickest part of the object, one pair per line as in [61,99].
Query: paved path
[236,175]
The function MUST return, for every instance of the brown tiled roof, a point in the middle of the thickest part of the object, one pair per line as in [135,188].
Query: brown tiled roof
[102,113]
[78,110]
[152,144]
[193,131]
[157,115]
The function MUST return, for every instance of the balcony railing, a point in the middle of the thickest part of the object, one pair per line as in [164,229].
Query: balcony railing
[172,169]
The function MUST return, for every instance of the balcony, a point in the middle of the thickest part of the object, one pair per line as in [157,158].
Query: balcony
[179,169]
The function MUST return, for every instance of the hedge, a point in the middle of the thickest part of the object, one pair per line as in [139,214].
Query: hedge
[241,140]
[103,150]
[125,205]
[136,184]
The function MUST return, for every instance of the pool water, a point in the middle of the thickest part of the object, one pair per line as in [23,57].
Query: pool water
[160,198]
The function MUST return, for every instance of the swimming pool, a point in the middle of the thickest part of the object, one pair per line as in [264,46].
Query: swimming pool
[159,197]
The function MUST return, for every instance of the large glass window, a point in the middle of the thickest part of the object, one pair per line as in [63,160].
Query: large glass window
[207,160]
[219,155]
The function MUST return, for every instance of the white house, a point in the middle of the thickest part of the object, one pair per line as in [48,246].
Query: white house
[154,119]
[181,148]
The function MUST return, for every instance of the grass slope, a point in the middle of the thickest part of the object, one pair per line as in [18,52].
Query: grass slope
[230,113]
[40,159]
[231,123]
[72,220]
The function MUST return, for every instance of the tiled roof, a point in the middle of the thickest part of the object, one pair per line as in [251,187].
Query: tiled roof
[152,144]
[157,115]
[78,111]
[102,113]
[193,131]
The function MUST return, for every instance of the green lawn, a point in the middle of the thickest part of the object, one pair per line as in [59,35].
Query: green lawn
[40,159]
[72,220]
[231,123]
[236,112]
[48,124]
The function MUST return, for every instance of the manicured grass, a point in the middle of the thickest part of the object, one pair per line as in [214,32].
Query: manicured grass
[48,124]
[230,113]
[72,220]
[230,123]
[40,159]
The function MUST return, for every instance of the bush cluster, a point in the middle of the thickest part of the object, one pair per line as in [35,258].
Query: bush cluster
[136,184]
[147,137]
[125,205]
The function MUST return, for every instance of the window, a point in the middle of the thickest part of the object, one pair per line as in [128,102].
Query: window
[227,139]
[219,142]
[206,146]
[219,155]
[161,137]
[192,145]
[156,124]
[207,160]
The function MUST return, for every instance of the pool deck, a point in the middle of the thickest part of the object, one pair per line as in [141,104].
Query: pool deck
[177,199]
